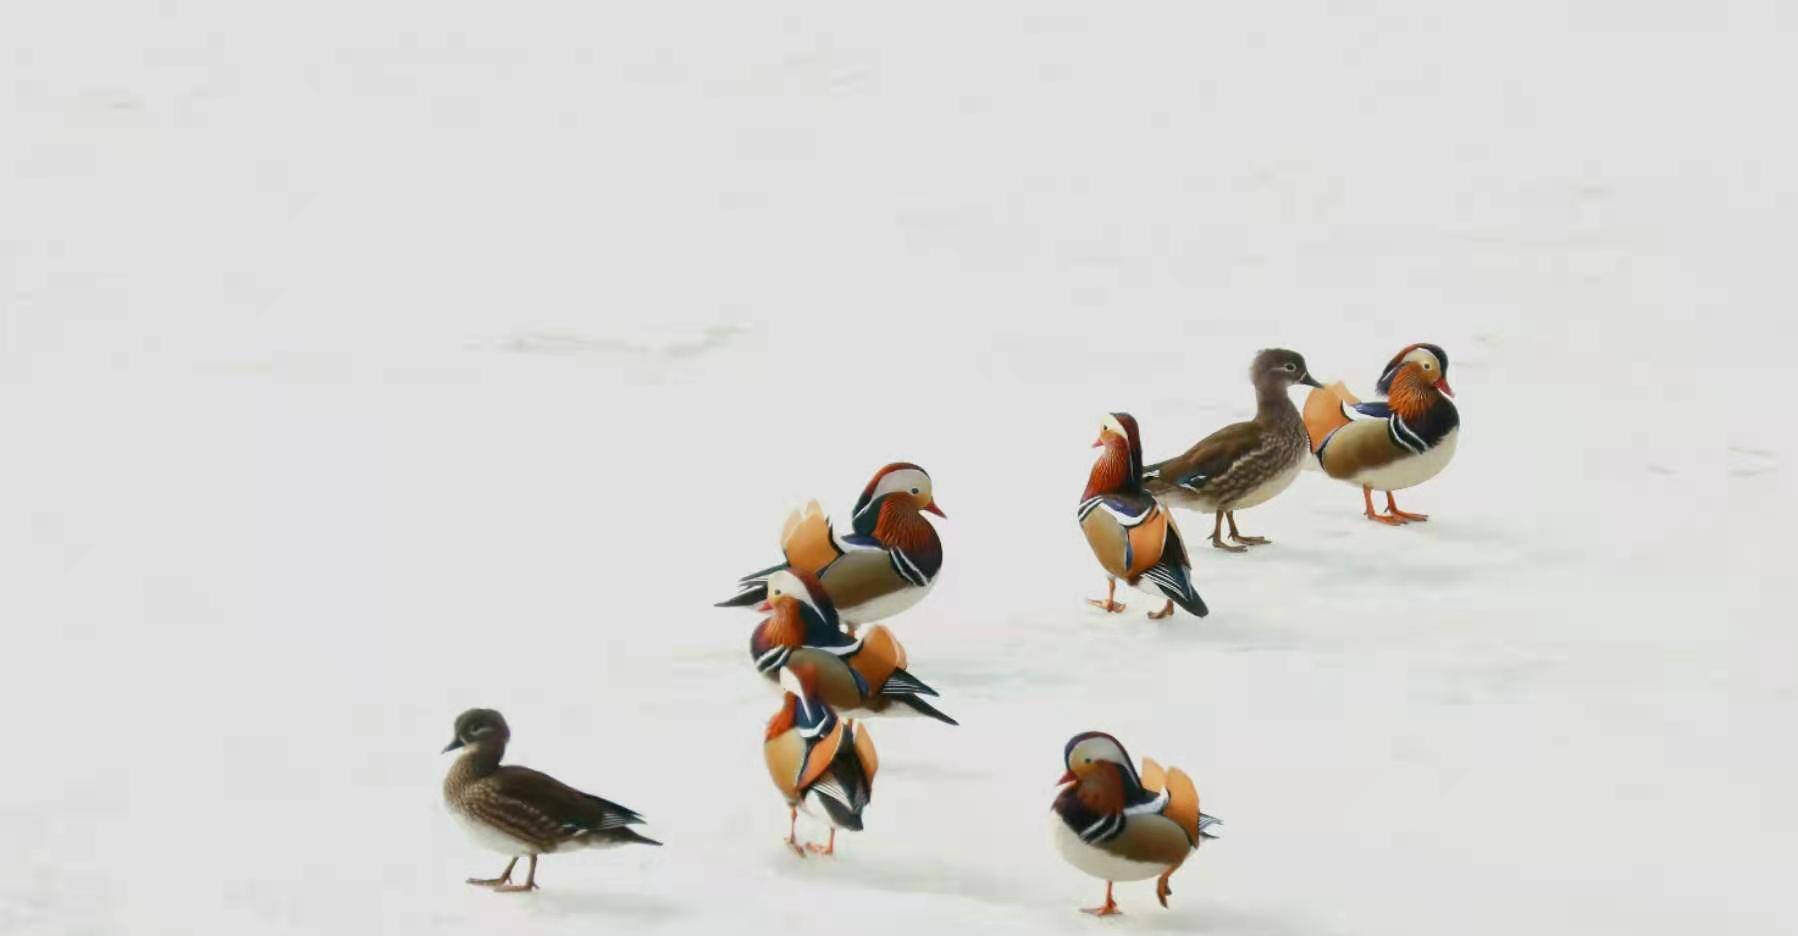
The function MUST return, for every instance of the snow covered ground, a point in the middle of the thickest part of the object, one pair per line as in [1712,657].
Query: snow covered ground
[360,363]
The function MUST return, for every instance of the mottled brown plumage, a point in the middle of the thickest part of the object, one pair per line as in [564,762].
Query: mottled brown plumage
[522,812]
[1245,463]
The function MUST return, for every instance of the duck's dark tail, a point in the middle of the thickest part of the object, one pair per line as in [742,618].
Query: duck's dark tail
[922,707]
[1173,575]
[1210,827]
[631,836]
[752,589]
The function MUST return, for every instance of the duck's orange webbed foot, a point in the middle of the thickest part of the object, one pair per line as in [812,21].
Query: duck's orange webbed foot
[793,832]
[1110,907]
[1392,509]
[1166,612]
[1367,499]
[1109,605]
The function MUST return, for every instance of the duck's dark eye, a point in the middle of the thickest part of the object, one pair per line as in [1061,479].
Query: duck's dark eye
[914,490]
[1289,367]
[1089,760]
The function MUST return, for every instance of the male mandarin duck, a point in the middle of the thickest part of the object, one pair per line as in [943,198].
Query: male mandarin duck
[885,564]
[1132,534]
[517,811]
[1118,825]
[1245,463]
[821,763]
[1391,445]
[859,676]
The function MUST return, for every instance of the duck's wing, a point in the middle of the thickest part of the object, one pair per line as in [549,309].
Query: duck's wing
[863,744]
[1209,459]
[850,779]
[808,541]
[809,544]
[1183,803]
[839,684]
[1172,573]
[1327,409]
[867,570]
[1126,531]
[1358,446]
[538,808]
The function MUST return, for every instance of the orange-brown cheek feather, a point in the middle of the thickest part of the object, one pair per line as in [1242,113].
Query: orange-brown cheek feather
[782,722]
[1102,789]
[901,525]
[1411,394]
[785,629]
[1112,469]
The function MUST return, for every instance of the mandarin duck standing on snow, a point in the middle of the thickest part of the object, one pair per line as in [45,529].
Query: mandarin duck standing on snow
[821,763]
[519,812]
[1132,535]
[1118,825]
[885,564]
[1245,463]
[1391,445]
[859,676]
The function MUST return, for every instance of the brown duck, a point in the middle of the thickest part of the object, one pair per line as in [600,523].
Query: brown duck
[519,812]
[1245,463]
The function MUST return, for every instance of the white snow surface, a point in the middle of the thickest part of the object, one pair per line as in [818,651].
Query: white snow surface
[362,363]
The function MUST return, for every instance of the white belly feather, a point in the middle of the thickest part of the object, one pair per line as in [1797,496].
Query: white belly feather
[1266,490]
[1411,471]
[488,837]
[886,606]
[1098,862]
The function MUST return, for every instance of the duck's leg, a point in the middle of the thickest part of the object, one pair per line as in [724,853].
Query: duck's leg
[1110,908]
[830,849]
[1238,537]
[1110,604]
[1367,498]
[505,877]
[530,880]
[1161,888]
[1217,535]
[1164,612]
[1392,508]
[793,831]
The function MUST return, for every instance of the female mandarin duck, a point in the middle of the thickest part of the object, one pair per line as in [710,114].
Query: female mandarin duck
[1118,825]
[1392,445]
[1132,535]
[519,812]
[1243,464]
[819,762]
[887,563]
[860,677]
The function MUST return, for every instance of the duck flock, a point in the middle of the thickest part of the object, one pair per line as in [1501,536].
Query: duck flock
[820,645]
